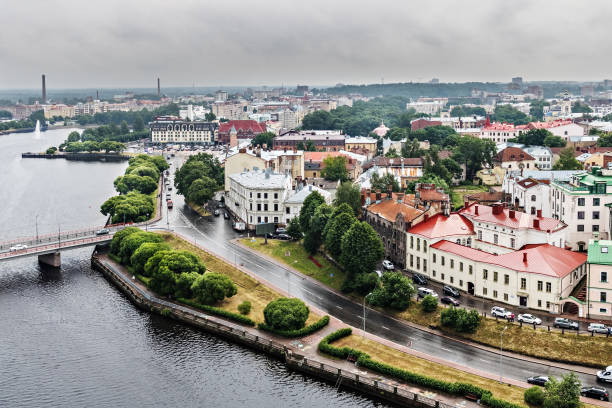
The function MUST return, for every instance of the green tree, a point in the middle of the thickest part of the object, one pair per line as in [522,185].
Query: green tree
[75,147]
[360,239]
[312,201]
[334,168]
[396,134]
[567,161]
[132,182]
[143,171]
[337,210]
[564,393]
[73,136]
[265,138]
[132,242]
[310,146]
[429,304]
[605,140]
[338,226]
[318,120]
[537,109]
[120,236]
[184,283]
[508,114]
[196,167]
[313,237]
[212,288]
[51,150]
[348,193]
[382,183]
[209,117]
[144,252]
[474,153]
[460,319]
[286,314]
[412,148]
[201,190]
[109,145]
[396,291]
[554,141]
[392,153]
[130,207]
[578,107]
[164,267]
[534,396]
[363,283]
[293,229]
[91,146]
[138,123]
[124,128]
[245,307]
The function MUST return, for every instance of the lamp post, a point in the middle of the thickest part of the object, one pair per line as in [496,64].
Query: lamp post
[364,313]
[501,335]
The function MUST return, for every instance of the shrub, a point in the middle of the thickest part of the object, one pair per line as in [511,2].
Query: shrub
[245,307]
[165,267]
[219,312]
[429,304]
[213,288]
[286,314]
[395,292]
[184,282]
[362,283]
[340,352]
[534,396]
[460,319]
[319,324]
[119,236]
[144,252]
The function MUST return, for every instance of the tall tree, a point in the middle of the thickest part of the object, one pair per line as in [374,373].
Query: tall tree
[474,153]
[138,123]
[564,393]
[567,161]
[266,138]
[337,227]
[309,206]
[313,237]
[334,168]
[395,292]
[412,148]
[382,183]
[361,249]
[348,193]
[508,114]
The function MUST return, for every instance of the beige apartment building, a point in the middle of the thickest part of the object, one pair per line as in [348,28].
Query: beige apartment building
[599,281]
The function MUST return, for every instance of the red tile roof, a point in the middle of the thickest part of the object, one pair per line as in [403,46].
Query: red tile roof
[320,156]
[390,208]
[548,125]
[542,259]
[503,126]
[429,192]
[513,154]
[441,225]
[520,220]
[244,125]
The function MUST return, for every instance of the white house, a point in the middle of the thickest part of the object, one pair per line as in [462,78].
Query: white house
[293,204]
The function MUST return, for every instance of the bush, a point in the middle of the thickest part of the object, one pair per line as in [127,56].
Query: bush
[319,324]
[362,283]
[244,308]
[460,319]
[534,396]
[395,292]
[212,288]
[429,304]
[340,352]
[119,236]
[286,314]
[219,312]
[184,282]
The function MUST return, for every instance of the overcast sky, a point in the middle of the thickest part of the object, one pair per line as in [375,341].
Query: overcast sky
[128,43]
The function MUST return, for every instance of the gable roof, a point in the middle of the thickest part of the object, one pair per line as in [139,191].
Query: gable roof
[390,208]
[441,225]
[513,154]
[519,221]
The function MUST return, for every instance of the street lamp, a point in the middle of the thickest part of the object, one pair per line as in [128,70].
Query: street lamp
[500,352]
[364,313]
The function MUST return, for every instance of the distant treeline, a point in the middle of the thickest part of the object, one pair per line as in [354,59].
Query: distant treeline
[131,118]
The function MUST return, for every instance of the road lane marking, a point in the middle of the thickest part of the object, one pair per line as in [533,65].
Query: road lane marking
[385,327]
[338,307]
[445,349]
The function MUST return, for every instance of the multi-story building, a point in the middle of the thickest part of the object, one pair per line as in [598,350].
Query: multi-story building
[314,163]
[427,107]
[170,129]
[581,204]
[289,119]
[361,143]
[542,154]
[258,196]
[501,132]
[245,129]
[528,195]
[293,204]
[221,96]
[62,110]
[405,170]
[230,110]
[565,129]
[513,158]
[599,280]
[326,140]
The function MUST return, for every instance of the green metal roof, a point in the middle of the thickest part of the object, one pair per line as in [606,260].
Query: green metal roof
[600,252]
[591,179]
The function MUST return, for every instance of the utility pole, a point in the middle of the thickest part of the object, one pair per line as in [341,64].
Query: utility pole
[501,335]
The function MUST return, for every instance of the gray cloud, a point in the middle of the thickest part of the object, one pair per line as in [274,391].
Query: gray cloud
[130,42]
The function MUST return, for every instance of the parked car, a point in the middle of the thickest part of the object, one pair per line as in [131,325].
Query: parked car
[449,290]
[388,265]
[419,279]
[529,319]
[226,215]
[497,311]
[281,230]
[422,292]
[18,247]
[564,323]
[103,231]
[540,380]
[598,328]
[220,205]
[595,392]
[216,213]
[283,237]
[605,375]
[449,300]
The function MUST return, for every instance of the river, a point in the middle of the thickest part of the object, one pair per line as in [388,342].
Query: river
[69,338]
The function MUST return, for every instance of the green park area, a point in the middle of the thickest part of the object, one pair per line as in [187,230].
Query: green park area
[458,192]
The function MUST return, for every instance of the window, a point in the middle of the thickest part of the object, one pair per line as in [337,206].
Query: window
[581,202]
[539,303]
[251,206]
[494,293]
[533,198]
[595,202]
[602,297]
[442,276]
[259,220]
[548,305]
[424,265]
[604,277]
[452,263]
[411,260]
[442,261]
[258,195]
[540,286]
[266,219]
[595,228]
[495,276]
[452,279]
[460,283]
[276,196]
[251,194]
[495,238]
[506,279]
[258,207]
[461,266]
[266,207]
[581,215]
[484,291]
[512,242]
[485,274]
[265,195]
[470,269]
[411,242]
[418,262]
[418,244]
[287,210]
[424,246]
[275,207]
[433,273]
[595,215]
[480,235]
[602,310]
[275,219]
[548,288]
[433,258]
[580,228]
[505,297]
[523,283]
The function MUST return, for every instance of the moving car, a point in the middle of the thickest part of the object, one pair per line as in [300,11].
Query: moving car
[419,279]
[563,323]
[529,319]
[540,380]
[449,290]
[103,231]
[18,247]
[605,375]
[388,265]
[226,215]
[216,212]
[422,292]
[497,311]
[598,328]
[449,300]
[595,392]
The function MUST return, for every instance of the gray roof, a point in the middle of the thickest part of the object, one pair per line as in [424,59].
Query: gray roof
[301,195]
[560,175]
[259,179]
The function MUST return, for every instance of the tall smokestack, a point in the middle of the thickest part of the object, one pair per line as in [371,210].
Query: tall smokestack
[158,88]
[44,89]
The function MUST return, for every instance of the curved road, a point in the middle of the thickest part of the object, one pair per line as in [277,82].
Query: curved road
[214,235]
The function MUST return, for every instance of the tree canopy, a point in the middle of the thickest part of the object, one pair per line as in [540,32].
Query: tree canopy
[383,182]
[265,138]
[312,201]
[395,291]
[334,168]
[567,161]
[348,193]
[212,288]
[508,114]
[474,153]
[286,314]
[363,240]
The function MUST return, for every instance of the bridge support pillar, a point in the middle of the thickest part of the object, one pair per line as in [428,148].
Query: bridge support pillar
[53,259]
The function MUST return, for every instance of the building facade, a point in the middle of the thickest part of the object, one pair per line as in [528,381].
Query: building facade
[169,129]
[329,141]
[599,281]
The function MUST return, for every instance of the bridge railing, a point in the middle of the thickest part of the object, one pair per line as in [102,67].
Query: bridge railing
[55,246]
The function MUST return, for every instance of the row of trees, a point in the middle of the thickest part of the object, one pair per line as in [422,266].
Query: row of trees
[90,146]
[199,178]
[539,137]
[137,119]
[30,122]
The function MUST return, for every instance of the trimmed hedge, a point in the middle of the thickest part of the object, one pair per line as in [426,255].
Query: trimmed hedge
[322,322]
[453,388]
[219,312]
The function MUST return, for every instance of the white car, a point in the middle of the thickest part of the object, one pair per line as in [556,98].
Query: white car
[422,292]
[18,247]
[388,265]
[529,319]
[497,311]
[605,375]
[598,328]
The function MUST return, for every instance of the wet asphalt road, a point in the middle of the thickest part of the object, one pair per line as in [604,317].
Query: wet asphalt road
[216,234]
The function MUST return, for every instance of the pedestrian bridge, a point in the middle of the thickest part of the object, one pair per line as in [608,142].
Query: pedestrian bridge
[48,247]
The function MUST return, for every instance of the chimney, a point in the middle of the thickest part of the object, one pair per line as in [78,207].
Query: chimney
[44,89]
[389,191]
[400,197]
[466,203]
[524,257]
[158,88]
[475,210]
[497,209]
[426,217]
[378,195]
[243,150]
[536,223]
[539,213]
[511,213]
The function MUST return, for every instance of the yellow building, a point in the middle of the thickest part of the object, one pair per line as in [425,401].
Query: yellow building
[64,111]
[368,143]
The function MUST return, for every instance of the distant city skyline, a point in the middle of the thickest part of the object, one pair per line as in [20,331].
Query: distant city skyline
[129,44]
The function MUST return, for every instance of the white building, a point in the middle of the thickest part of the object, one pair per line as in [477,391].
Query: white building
[542,154]
[528,195]
[293,205]
[288,119]
[501,132]
[170,129]
[428,107]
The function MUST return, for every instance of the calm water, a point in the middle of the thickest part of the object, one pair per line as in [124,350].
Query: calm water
[70,339]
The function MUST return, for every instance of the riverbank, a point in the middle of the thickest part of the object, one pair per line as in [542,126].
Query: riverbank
[104,157]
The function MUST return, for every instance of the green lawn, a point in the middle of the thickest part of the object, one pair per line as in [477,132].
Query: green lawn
[298,259]
[458,192]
